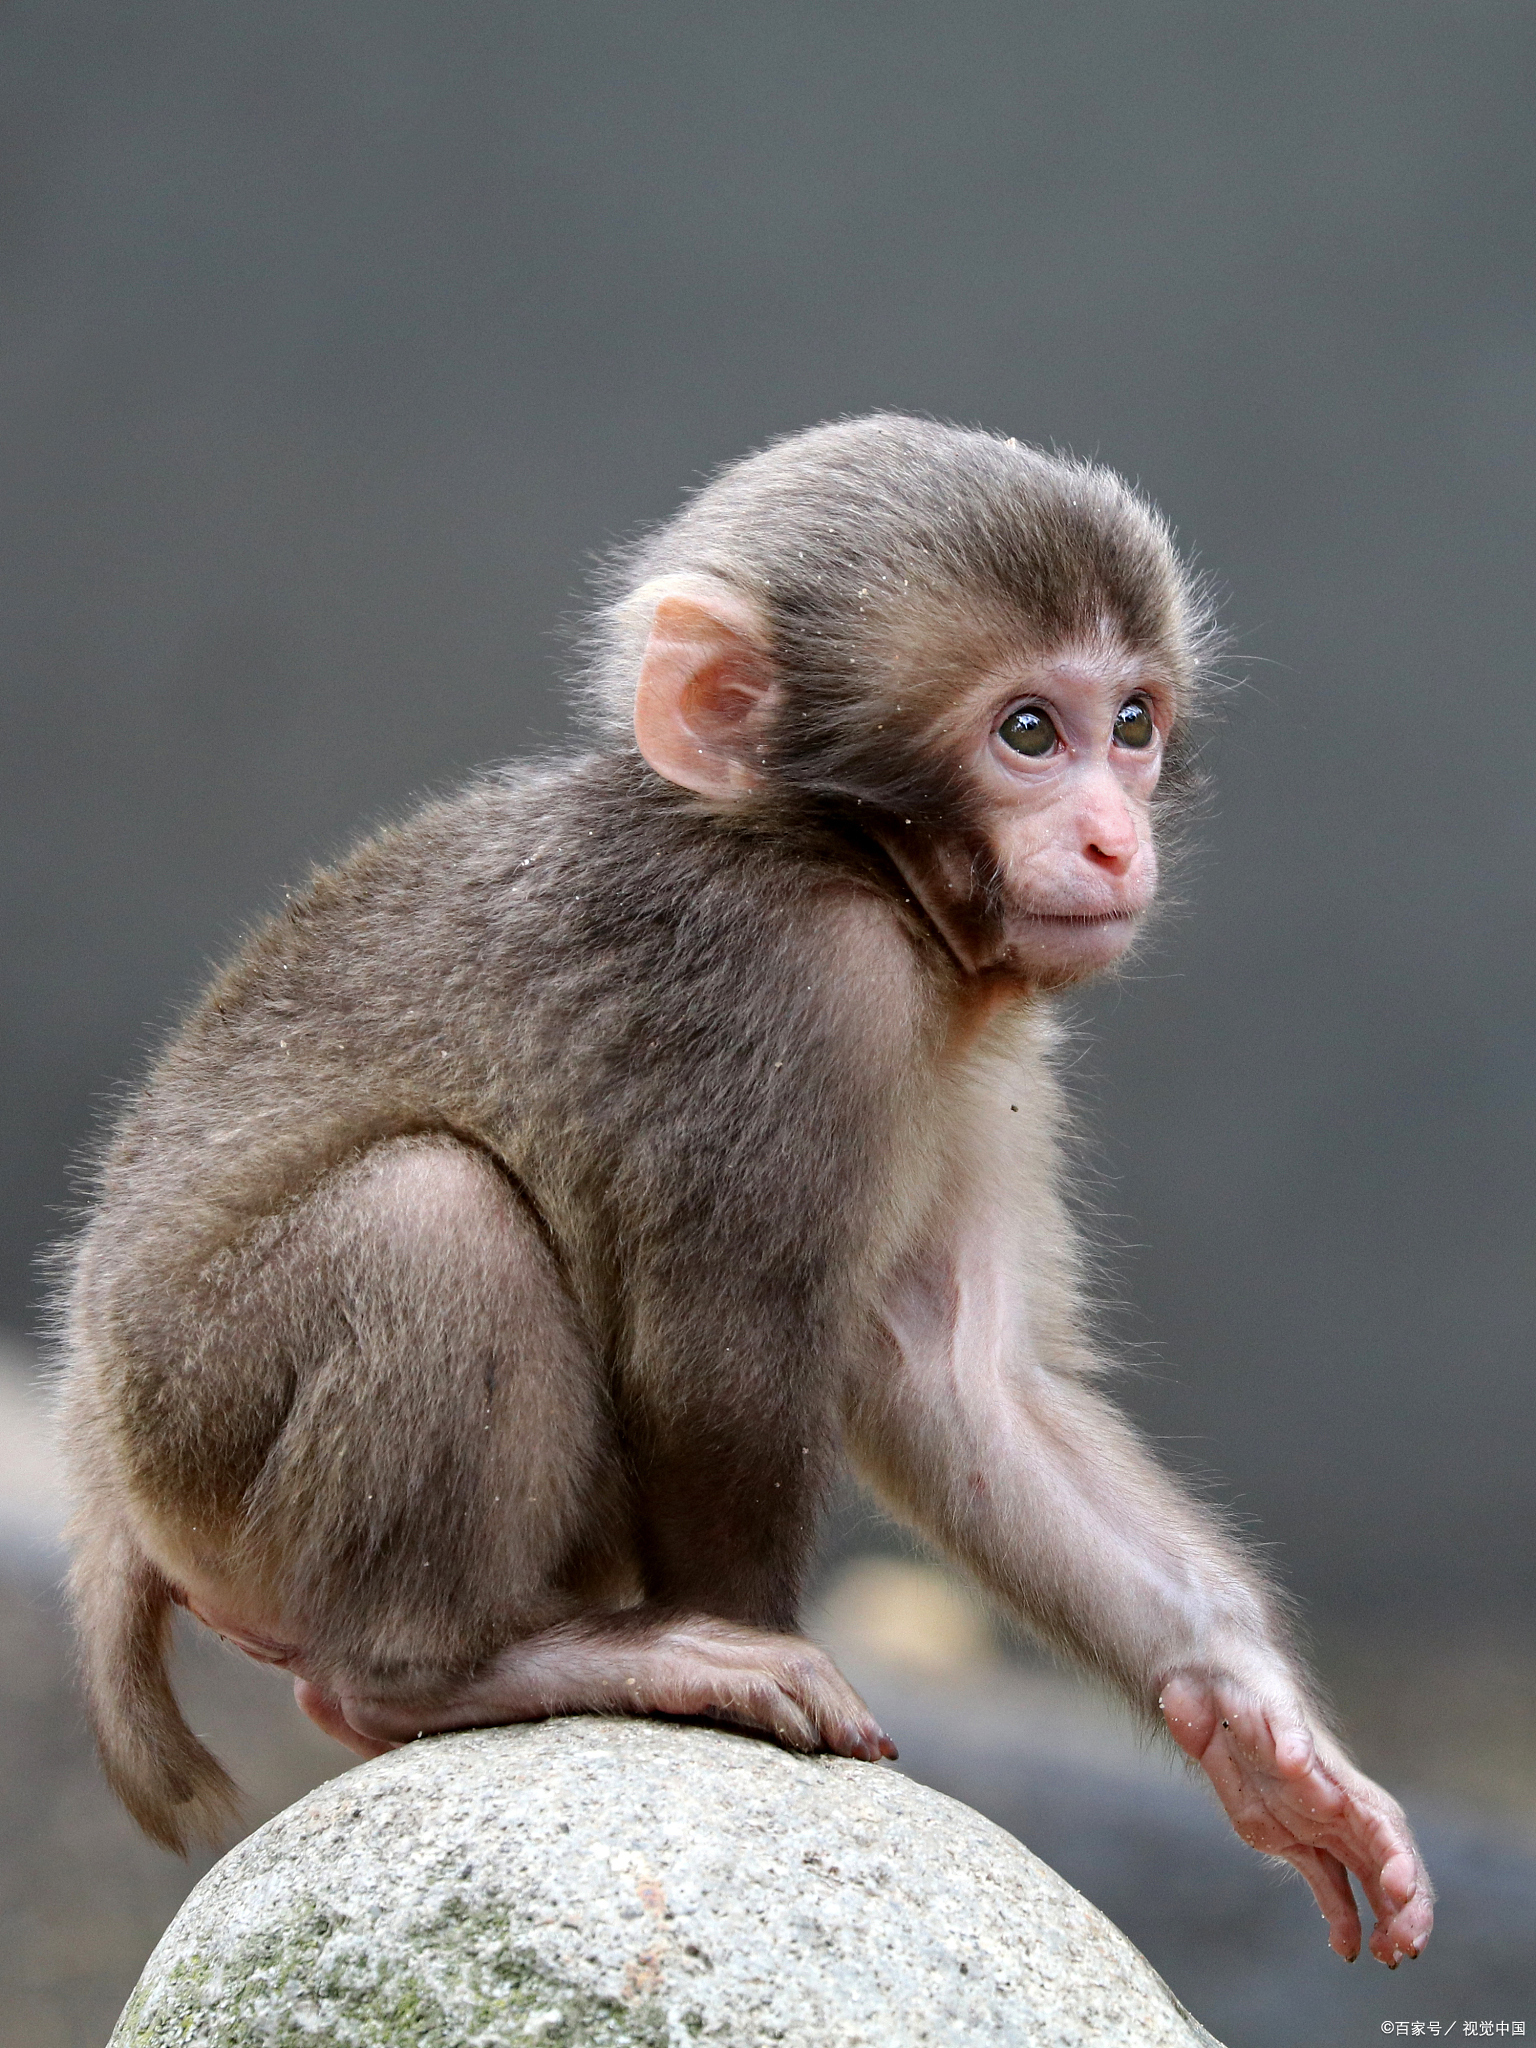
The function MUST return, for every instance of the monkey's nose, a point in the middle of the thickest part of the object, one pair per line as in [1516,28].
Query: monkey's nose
[1110,840]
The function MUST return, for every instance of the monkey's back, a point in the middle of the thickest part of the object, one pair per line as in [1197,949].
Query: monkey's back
[576,970]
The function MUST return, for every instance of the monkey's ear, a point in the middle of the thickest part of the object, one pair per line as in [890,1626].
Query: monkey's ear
[706,688]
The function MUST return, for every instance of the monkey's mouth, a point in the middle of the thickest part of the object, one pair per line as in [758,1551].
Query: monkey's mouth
[1081,920]
[1058,947]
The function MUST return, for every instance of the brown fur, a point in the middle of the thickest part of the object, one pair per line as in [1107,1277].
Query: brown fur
[478,1293]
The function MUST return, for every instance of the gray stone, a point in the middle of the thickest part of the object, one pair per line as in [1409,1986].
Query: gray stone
[646,1886]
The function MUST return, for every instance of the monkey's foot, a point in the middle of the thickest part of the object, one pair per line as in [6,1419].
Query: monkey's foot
[634,1663]
[1289,1793]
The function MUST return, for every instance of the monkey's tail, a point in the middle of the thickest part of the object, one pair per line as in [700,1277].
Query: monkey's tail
[175,1789]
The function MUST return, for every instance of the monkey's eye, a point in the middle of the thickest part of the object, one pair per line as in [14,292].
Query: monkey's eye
[1028,731]
[1133,724]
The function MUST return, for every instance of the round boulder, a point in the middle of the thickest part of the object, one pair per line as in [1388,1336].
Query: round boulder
[640,1885]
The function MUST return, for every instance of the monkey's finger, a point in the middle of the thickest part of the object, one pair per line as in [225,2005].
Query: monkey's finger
[1283,1776]
[1395,1870]
[1401,1879]
[1400,1898]
[1310,1804]
[1248,1733]
[1409,1928]
[1376,1846]
[1379,1850]
[1401,1935]
[1402,1938]
[1329,1881]
[1295,1758]
[1189,1710]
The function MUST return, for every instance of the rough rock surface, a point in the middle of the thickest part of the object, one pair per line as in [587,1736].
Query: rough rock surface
[618,1882]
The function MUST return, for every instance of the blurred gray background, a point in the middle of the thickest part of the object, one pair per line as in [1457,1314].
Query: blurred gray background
[334,341]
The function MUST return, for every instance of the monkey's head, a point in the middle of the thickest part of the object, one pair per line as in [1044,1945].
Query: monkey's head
[981,657]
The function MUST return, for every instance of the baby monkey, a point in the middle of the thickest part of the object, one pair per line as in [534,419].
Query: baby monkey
[481,1296]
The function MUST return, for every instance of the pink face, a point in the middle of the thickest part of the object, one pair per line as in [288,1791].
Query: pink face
[1062,753]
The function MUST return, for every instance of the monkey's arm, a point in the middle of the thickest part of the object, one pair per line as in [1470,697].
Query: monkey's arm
[1035,1482]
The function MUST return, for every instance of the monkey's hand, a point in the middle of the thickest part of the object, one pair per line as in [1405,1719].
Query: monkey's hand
[1289,1792]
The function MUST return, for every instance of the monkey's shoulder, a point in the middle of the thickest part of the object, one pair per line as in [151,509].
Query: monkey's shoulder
[571,946]
[565,912]
[549,885]
[592,850]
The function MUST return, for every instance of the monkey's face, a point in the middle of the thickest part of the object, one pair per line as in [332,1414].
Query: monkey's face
[1056,866]
[1040,861]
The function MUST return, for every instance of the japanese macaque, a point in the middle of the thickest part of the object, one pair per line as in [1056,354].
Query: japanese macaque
[483,1293]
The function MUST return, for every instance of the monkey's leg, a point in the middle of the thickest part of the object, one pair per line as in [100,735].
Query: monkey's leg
[445,1462]
[445,1482]
[722,1518]
[367,1438]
